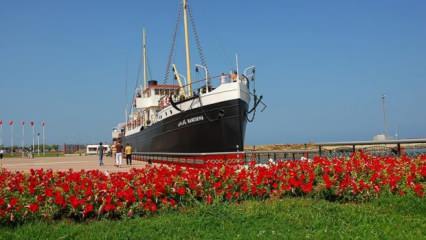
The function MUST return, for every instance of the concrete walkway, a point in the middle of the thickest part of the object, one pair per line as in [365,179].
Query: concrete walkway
[64,163]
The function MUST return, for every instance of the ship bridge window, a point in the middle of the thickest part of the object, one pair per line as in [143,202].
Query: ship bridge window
[157,92]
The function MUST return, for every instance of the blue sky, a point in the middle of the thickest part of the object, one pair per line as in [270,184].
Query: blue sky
[321,65]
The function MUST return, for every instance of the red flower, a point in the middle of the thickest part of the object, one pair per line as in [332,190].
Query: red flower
[59,199]
[48,192]
[88,208]
[209,199]
[74,201]
[33,207]
[306,188]
[275,185]
[418,189]
[153,207]
[181,191]
[327,181]
[109,207]
[172,202]
[377,188]
[13,202]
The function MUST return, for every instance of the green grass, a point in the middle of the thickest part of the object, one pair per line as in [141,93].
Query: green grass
[294,218]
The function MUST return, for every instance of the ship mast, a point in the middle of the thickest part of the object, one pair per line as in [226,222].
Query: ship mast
[144,60]
[188,57]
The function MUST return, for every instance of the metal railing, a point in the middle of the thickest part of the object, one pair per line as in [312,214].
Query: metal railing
[265,156]
[410,147]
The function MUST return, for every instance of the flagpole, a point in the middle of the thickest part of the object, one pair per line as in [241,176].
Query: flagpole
[11,140]
[23,138]
[1,134]
[44,140]
[32,125]
[1,142]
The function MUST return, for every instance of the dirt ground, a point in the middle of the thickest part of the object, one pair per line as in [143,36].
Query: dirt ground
[66,162]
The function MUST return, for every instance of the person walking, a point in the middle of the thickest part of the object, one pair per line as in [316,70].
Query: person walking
[113,149]
[128,152]
[101,154]
[118,154]
[1,154]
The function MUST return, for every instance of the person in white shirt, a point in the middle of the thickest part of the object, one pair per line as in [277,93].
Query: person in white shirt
[222,78]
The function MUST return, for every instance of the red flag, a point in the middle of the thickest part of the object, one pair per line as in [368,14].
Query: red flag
[1,122]
[10,122]
[32,123]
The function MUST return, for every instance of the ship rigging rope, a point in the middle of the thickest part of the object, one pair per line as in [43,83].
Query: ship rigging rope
[172,48]
[197,38]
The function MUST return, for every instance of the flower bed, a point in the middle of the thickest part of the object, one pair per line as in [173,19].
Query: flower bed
[44,194]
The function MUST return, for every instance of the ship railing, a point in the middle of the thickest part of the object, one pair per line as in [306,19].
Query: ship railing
[207,83]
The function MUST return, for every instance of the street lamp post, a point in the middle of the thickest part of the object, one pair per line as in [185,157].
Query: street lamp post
[32,126]
[384,117]
[38,144]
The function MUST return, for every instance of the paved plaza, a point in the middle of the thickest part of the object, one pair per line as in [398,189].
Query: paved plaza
[66,162]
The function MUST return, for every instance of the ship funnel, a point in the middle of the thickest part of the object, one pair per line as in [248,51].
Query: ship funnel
[152,83]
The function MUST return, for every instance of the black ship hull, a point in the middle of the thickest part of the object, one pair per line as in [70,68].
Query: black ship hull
[217,127]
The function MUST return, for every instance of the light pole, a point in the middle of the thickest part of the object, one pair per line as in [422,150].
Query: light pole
[32,126]
[384,117]
[38,144]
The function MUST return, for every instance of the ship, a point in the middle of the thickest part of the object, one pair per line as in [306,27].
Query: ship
[207,115]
